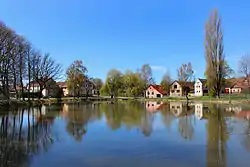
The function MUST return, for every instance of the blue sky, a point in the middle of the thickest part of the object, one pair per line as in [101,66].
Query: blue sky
[124,34]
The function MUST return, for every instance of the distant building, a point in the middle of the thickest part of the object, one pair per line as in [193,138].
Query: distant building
[64,88]
[200,87]
[236,85]
[155,91]
[177,88]
[50,90]
[87,88]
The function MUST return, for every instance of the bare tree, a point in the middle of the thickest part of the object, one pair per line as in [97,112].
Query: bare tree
[214,53]
[244,65]
[46,69]
[166,81]
[185,72]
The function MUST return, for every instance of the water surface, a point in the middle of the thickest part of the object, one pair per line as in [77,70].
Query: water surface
[126,134]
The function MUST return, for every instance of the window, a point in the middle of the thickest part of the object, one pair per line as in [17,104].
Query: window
[148,93]
[172,107]
[153,105]
[172,91]
[178,91]
[175,86]
[178,107]
[152,93]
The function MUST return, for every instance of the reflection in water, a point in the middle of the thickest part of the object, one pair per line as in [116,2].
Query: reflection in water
[26,132]
[23,135]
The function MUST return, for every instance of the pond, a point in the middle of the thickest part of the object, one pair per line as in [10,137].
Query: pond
[148,134]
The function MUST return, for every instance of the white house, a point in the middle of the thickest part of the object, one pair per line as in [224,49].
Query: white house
[35,87]
[51,90]
[155,91]
[200,87]
[177,88]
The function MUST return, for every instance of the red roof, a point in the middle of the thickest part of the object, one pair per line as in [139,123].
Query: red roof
[160,89]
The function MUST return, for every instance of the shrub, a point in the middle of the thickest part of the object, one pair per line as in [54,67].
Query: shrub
[212,93]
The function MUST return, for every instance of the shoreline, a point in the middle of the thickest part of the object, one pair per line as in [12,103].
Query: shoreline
[38,102]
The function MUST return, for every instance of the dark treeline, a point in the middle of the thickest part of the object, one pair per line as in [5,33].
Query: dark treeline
[21,63]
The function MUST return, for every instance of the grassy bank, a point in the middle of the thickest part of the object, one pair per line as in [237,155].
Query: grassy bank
[222,99]
[37,102]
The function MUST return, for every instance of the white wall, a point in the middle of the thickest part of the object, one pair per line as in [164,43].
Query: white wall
[175,91]
[198,91]
[152,93]
[199,110]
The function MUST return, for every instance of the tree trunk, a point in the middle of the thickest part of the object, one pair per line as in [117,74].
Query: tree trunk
[29,75]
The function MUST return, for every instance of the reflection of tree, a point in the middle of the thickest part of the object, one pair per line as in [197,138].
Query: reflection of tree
[146,124]
[78,117]
[216,137]
[246,137]
[185,125]
[166,115]
[129,114]
[19,140]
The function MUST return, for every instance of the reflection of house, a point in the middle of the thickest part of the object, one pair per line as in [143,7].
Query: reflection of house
[65,110]
[176,108]
[236,85]
[178,88]
[244,114]
[199,110]
[200,87]
[154,91]
[153,106]
[235,109]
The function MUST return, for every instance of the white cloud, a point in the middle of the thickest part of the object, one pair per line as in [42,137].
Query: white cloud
[158,68]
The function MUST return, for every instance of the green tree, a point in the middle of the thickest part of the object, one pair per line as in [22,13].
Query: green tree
[133,84]
[113,82]
[76,76]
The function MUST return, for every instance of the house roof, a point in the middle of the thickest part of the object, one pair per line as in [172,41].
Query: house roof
[62,84]
[237,83]
[203,81]
[184,84]
[160,89]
